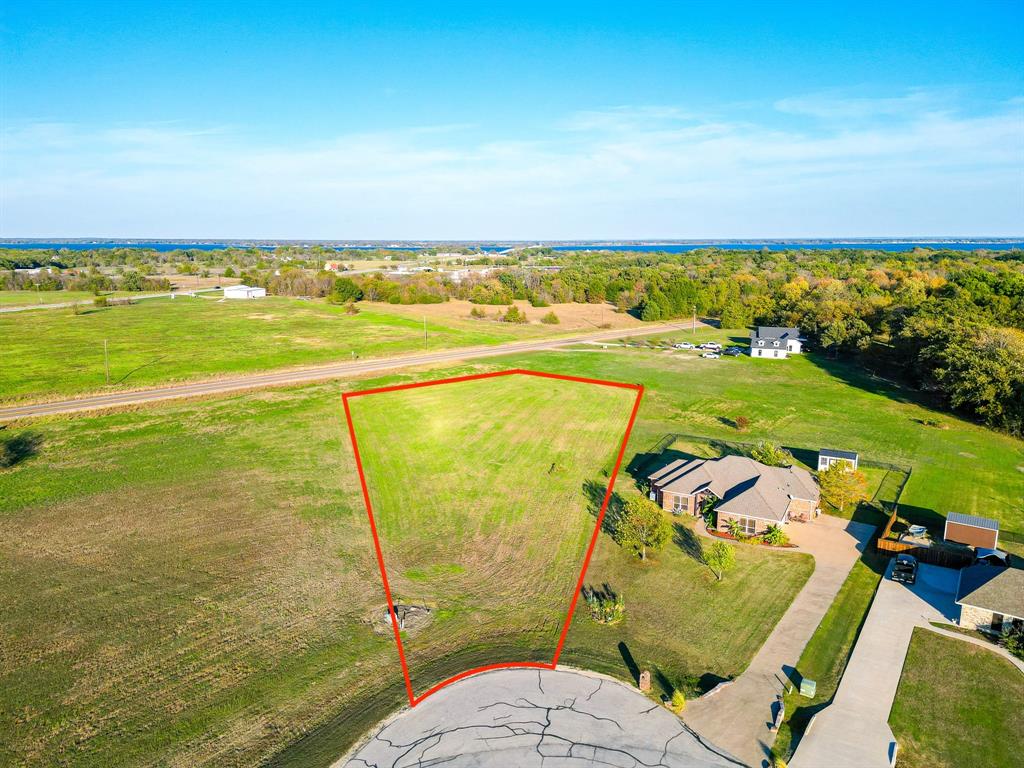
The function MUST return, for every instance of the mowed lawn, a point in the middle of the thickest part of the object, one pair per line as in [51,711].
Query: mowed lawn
[25,298]
[957,704]
[484,496]
[812,403]
[193,583]
[55,352]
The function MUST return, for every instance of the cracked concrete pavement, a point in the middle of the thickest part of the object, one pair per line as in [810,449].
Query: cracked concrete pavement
[532,717]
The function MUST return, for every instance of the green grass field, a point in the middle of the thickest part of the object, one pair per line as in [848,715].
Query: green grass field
[26,298]
[957,704]
[478,489]
[194,580]
[160,340]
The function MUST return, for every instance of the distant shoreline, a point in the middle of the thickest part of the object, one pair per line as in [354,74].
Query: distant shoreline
[491,246]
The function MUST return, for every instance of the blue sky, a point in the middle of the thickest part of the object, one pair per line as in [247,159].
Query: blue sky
[519,121]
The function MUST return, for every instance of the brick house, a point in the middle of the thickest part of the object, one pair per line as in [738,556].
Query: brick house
[991,598]
[753,494]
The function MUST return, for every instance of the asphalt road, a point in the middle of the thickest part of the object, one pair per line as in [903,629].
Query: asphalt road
[304,375]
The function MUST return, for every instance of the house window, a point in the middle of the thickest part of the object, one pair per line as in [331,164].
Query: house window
[680,505]
[776,353]
[775,343]
[997,622]
[747,525]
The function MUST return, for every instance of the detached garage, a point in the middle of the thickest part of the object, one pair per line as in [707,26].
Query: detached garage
[972,530]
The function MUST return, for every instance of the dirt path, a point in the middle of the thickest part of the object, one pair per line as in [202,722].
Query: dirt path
[737,715]
[304,375]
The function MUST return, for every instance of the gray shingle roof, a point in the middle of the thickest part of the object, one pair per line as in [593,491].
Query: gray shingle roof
[992,588]
[774,332]
[834,454]
[977,522]
[743,486]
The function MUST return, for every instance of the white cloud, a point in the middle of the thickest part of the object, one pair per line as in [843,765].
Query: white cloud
[648,171]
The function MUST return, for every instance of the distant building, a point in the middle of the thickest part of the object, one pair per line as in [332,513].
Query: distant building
[768,341]
[244,292]
[828,457]
[334,266]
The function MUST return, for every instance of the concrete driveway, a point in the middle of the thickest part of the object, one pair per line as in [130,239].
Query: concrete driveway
[737,716]
[853,731]
[532,717]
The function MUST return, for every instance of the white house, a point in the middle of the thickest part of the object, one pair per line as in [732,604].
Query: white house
[828,457]
[244,292]
[768,341]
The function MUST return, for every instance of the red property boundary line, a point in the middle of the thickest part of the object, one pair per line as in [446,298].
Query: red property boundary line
[413,698]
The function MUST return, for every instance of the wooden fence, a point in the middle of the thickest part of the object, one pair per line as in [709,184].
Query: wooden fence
[937,554]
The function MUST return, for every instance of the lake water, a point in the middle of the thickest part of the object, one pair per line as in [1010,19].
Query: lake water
[164,246]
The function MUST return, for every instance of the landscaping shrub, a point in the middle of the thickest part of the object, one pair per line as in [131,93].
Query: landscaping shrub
[604,608]
[550,319]
[477,313]
[1015,642]
[513,315]
[678,701]
[775,536]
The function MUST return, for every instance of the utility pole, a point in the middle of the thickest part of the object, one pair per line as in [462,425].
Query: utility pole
[424,331]
[693,328]
[106,362]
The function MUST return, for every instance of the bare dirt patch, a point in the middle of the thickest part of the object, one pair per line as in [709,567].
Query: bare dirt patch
[572,317]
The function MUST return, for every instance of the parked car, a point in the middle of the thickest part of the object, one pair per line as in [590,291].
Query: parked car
[905,569]
[683,345]
[711,345]
[991,557]
[711,355]
[733,352]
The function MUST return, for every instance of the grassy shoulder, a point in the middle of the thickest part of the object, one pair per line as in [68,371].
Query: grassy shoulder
[58,353]
[957,704]
[43,298]
[825,657]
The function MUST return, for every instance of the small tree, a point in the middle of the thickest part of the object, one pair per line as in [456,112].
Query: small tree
[229,272]
[642,525]
[345,291]
[841,487]
[550,319]
[513,315]
[742,422]
[771,454]
[719,557]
